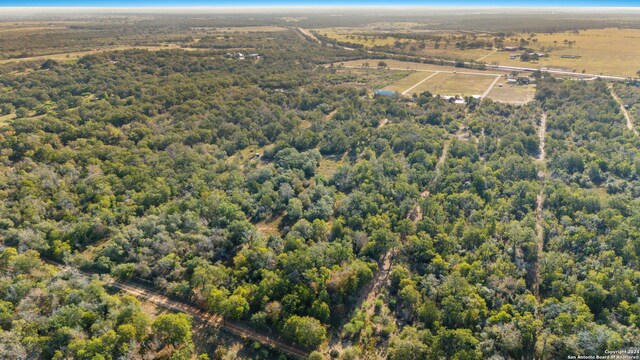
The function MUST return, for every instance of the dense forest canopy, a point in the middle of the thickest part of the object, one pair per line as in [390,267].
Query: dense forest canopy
[273,191]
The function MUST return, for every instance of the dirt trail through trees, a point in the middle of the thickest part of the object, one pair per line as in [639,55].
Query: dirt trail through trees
[539,207]
[233,327]
[626,114]
[207,317]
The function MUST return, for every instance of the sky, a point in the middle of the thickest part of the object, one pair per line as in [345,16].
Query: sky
[267,3]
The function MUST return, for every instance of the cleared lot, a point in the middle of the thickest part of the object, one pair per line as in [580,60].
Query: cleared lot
[409,81]
[513,94]
[451,84]
[445,80]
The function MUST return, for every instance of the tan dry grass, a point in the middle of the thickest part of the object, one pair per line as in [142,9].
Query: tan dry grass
[606,51]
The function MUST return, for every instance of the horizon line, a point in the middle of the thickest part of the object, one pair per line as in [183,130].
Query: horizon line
[358,6]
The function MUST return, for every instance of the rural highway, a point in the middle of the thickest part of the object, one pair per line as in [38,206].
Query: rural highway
[424,70]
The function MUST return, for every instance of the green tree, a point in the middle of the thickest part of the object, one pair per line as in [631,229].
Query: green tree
[173,329]
[305,331]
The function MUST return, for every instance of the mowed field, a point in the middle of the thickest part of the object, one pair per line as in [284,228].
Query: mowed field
[445,80]
[440,80]
[512,94]
[409,81]
[450,84]
[602,51]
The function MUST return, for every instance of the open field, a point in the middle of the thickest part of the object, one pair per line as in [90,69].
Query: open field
[512,94]
[601,51]
[598,51]
[448,81]
[328,166]
[409,81]
[450,84]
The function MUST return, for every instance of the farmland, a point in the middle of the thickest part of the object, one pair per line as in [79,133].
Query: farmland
[587,51]
[600,51]
[374,37]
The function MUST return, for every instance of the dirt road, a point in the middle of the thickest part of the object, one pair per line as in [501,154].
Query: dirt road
[626,114]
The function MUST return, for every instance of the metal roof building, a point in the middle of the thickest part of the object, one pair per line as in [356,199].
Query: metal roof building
[383,92]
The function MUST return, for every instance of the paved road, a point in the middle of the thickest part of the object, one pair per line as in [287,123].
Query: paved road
[424,70]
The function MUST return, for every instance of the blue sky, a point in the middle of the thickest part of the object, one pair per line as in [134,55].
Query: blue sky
[250,3]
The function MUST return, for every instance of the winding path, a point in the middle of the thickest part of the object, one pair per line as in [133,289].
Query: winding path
[627,116]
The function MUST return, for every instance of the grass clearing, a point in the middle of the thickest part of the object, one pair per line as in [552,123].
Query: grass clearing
[369,78]
[409,81]
[328,167]
[444,83]
[455,84]
[512,94]
[271,227]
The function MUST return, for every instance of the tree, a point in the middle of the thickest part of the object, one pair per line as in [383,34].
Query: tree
[172,329]
[305,331]
[7,109]
[22,112]
[234,307]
